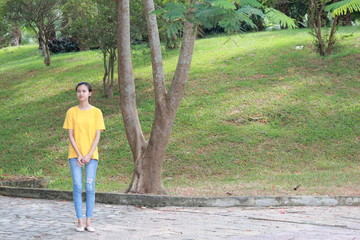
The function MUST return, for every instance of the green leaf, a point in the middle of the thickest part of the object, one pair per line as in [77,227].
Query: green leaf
[174,11]
[233,22]
[174,28]
[252,11]
[252,3]
[276,16]
[157,11]
[342,7]
[224,4]
[210,12]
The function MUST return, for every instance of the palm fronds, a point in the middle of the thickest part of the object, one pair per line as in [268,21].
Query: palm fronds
[342,7]
[228,14]
[251,3]
[276,16]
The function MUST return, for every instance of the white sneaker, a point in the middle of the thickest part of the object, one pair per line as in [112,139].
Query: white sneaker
[90,229]
[80,229]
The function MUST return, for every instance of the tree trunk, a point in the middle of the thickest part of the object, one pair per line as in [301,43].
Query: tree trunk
[45,49]
[126,83]
[315,13]
[319,33]
[148,168]
[149,157]
[112,59]
[106,72]
[109,58]
[16,35]
[331,41]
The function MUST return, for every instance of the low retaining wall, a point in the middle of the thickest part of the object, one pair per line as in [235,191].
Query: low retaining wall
[25,183]
[162,201]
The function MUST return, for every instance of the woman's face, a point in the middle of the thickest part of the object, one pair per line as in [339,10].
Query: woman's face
[83,93]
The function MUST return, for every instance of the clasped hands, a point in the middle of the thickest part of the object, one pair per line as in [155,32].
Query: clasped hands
[81,161]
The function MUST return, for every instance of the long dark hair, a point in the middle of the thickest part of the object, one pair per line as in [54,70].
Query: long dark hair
[86,84]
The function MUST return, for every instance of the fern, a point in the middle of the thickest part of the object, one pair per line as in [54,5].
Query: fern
[251,3]
[210,16]
[174,28]
[342,7]
[232,23]
[228,14]
[224,4]
[276,16]
[211,12]
[252,11]
[174,11]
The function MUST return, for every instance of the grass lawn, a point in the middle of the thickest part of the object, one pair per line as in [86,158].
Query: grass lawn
[259,117]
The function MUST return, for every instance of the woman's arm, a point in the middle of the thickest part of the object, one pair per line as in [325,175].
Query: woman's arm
[73,144]
[87,158]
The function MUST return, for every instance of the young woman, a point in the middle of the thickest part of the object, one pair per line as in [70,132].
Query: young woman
[84,123]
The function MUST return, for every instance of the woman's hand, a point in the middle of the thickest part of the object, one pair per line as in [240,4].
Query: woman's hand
[80,161]
[86,159]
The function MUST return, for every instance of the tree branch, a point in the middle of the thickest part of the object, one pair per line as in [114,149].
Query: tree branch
[126,82]
[156,56]
[183,67]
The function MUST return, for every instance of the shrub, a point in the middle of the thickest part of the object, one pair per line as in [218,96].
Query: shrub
[62,45]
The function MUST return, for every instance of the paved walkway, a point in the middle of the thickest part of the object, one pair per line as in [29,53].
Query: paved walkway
[45,219]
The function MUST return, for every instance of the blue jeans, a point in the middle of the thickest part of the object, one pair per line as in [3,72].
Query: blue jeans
[76,172]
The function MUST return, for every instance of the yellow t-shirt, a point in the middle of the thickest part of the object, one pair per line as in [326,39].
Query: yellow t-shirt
[84,124]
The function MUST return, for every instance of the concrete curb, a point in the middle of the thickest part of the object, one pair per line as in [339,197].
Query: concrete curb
[162,201]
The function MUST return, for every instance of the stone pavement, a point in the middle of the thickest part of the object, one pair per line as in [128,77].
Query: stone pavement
[22,218]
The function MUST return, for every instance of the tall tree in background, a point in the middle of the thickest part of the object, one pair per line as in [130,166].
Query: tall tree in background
[42,16]
[184,16]
[80,20]
[15,34]
[92,23]
[10,30]
[5,26]
[105,32]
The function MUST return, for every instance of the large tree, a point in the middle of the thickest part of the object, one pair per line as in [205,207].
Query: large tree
[187,15]
[5,26]
[104,34]
[92,23]
[42,16]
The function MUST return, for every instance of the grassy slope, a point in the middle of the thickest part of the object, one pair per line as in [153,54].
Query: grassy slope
[258,116]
